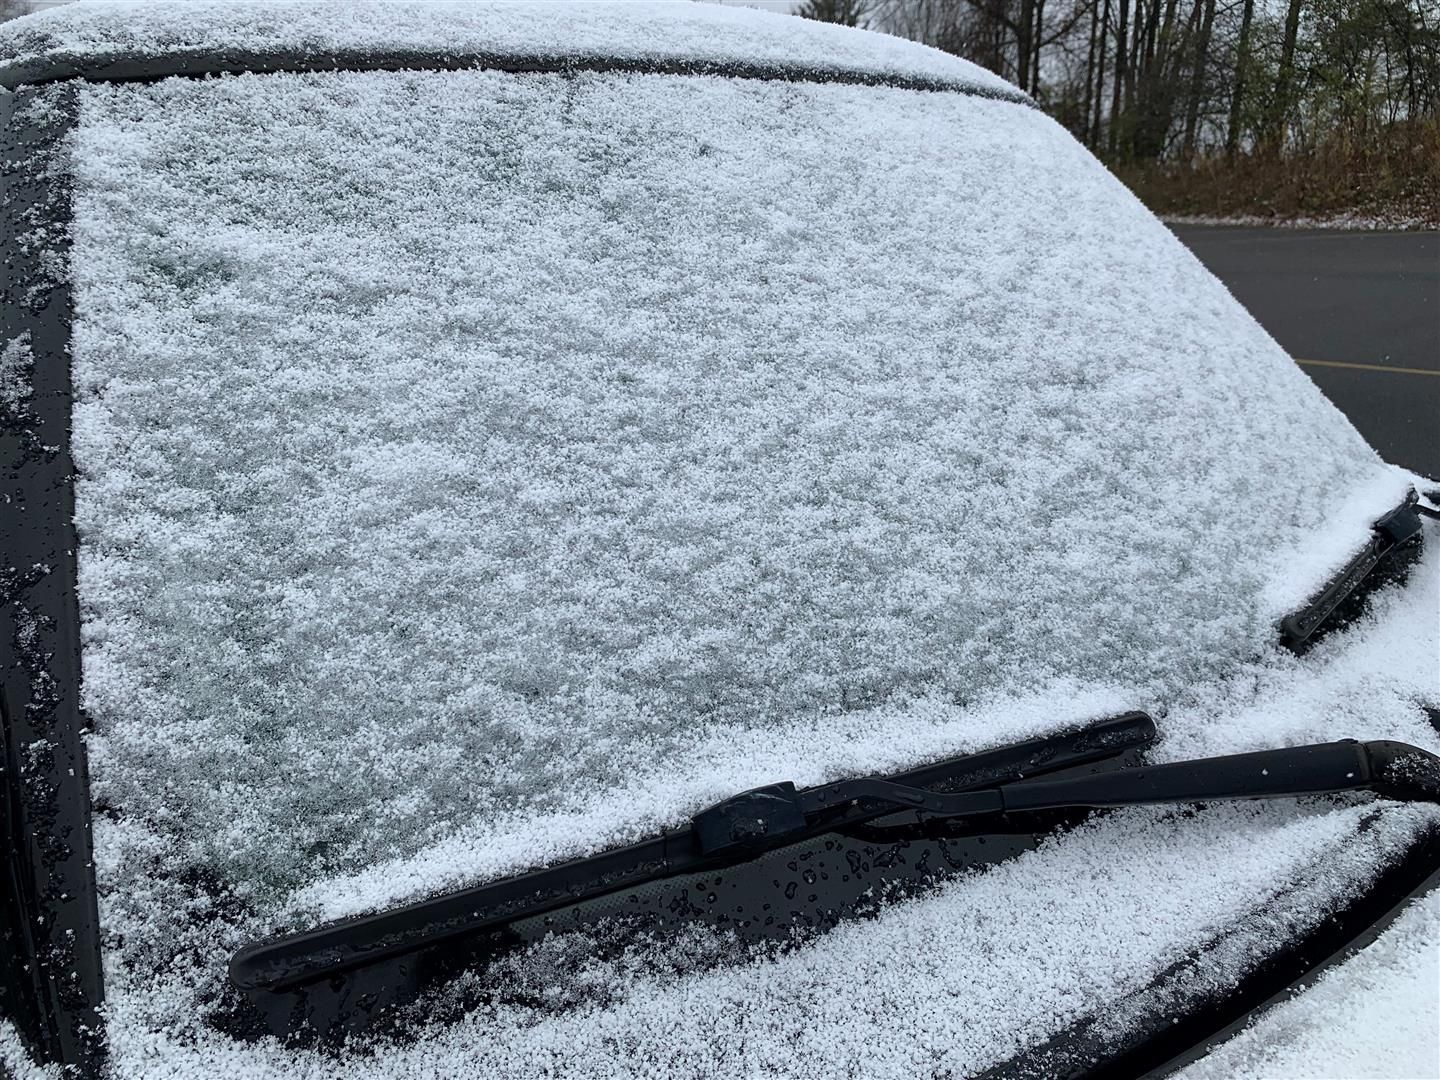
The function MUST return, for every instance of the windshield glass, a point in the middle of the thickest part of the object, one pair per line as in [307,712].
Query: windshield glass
[458,450]
[476,470]
[480,468]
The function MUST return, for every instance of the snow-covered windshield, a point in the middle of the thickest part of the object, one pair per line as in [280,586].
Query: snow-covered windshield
[476,470]
[480,468]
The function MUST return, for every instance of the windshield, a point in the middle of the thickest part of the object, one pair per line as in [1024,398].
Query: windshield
[464,451]
[480,469]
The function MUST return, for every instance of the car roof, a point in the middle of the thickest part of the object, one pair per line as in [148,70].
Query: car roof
[127,39]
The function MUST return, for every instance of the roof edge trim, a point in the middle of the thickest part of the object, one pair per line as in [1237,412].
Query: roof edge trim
[204,63]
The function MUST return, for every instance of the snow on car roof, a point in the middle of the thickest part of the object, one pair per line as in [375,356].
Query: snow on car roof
[479,469]
[93,33]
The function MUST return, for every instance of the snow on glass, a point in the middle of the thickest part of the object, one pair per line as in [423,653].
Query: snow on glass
[479,469]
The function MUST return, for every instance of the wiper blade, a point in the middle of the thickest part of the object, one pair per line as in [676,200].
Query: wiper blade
[1396,540]
[293,977]
[291,980]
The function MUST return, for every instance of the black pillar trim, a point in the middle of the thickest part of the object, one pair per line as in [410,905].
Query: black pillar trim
[50,972]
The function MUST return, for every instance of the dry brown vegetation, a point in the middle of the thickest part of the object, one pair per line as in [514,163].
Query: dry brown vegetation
[1391,181]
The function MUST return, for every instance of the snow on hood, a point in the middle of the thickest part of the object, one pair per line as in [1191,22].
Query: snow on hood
[1376,1015]
[480,469]
[93,33]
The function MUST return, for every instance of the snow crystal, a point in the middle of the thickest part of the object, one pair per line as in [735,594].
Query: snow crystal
[94,32]
[1376,1015]
[507,442]
[16,363]
[477,469]
[15,1059]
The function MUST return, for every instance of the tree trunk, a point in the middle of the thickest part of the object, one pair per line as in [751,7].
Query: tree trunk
[1038,37]
[1135,61]
[1167,30]
[1024,47]
[1284,82]
[1197,78]
[1237,95]
[1100,76]
[1088,98]
[1152,28]
[1121,40]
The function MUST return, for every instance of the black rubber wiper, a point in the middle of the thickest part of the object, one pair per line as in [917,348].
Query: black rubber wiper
[313,956]
[1395,542]
[340,978]
[326,978]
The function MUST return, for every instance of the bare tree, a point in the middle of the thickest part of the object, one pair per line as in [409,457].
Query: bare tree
[844,12]
[1284,81]
[1197,76]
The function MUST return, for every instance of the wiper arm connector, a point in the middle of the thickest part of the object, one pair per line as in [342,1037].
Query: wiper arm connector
[767,817]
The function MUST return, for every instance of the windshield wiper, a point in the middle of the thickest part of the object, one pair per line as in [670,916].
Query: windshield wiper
[765,817]
[316,955]
[1395,542]
[341,976]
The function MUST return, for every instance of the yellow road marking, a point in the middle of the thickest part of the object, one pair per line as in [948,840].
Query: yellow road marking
[1367,367]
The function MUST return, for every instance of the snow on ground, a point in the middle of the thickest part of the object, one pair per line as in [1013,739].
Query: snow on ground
[1376,1015]
[1366,221]
[477,470]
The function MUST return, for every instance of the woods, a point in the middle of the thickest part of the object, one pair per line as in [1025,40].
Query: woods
[1268,107]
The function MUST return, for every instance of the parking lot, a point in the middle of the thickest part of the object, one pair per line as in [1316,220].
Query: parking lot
[1360,311]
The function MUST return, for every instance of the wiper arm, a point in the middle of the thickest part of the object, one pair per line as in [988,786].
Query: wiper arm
[760,819]
[313,956]
[340,977]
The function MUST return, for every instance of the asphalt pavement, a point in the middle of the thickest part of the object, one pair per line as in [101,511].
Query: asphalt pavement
[1359,311]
